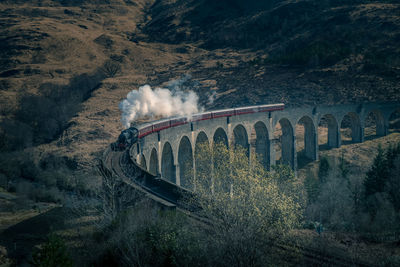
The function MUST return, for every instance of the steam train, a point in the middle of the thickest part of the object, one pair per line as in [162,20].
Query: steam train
[131,135]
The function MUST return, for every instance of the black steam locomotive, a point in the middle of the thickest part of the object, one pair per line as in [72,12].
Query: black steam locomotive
[127,138]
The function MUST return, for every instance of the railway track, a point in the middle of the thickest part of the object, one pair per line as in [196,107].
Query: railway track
[169,195]
[164,193]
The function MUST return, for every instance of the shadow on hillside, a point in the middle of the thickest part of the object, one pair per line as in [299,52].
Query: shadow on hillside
[42,117]
[371,137]
[21,238]
[324,147]
[347,142]
[302,160]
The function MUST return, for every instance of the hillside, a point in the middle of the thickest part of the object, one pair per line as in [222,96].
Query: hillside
[65,65]
[339,52]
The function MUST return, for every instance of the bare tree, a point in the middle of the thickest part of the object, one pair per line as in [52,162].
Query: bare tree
[113,197]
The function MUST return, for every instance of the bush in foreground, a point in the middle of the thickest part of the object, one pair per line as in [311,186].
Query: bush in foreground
[245,212]
[52,253]
[249,208]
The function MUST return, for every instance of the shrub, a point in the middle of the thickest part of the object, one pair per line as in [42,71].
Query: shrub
[383,178]
[43,115]
[48,178]
[165,238]
[15,135]
[323,168]
[52,253]
[391,261]
[313,54]
[392,186]
[219,65]
[3,181]
[343,166]
[111,68]
[247,210]
[377,175]
[250,208]
[312,186]
[18,164]
[29,170]
[9,165]
[352,203]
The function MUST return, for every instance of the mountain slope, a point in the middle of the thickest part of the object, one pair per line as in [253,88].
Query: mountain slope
[341,50]
[65,65]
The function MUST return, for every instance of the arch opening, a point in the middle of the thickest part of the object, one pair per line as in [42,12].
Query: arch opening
[220,172]
[185,161]
[167,163]
[220,137]
[284,144]
[328,132]
[350,129]
[374,125]
[143,162]
[240,138]
[203,160]
[305,141]
[153,165]
[260,144]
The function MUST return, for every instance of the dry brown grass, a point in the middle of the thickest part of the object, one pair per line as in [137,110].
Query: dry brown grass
[348,246]
[360,156]
[71,49]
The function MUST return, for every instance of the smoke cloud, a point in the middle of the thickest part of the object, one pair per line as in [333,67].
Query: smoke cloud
[148,102]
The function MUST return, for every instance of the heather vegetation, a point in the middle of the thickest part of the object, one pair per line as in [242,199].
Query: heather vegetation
[46,179]
[244,213]
[66,65]
[52,253]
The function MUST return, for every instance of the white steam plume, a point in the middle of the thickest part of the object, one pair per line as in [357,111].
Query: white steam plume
[148,102]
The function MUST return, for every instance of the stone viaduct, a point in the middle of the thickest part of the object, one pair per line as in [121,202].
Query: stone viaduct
[169,151]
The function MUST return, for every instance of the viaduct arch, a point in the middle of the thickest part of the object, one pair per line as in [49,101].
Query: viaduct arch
[220,136]
[260,144]
[185,162]
[240,138]
[174,152]
[153,165]
[167,163]
[333,137]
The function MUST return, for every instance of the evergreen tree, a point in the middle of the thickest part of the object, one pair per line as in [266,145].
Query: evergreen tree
[312,186]
[391,154]
[378,174]
[343,166]
[393,184]
[52,253]
[323,169]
